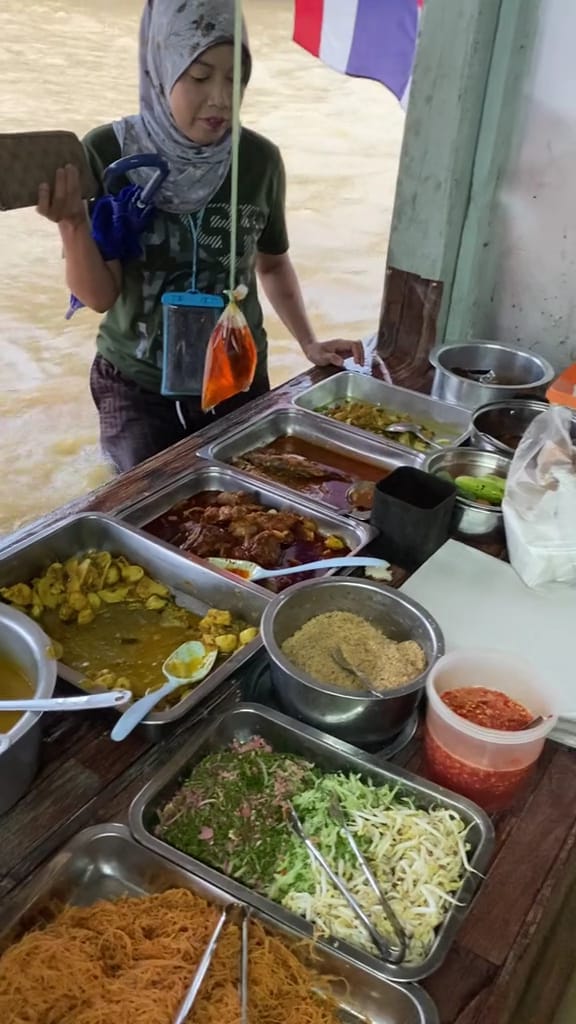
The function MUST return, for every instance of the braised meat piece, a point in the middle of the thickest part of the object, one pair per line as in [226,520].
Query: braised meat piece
[231,524]
[265,550]
[206,542]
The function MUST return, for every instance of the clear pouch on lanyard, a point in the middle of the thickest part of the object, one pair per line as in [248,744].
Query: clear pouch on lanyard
[189,319]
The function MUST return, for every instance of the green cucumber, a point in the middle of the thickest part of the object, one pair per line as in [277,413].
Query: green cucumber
[488,488]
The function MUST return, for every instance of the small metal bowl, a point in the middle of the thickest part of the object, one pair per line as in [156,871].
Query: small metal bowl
[359,718]
[491,423]
[28,647]
[471,518]
[525,373]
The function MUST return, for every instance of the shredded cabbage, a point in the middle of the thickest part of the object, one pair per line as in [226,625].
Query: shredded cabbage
[417,856]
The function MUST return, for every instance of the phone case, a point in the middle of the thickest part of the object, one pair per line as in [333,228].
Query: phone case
[27,159]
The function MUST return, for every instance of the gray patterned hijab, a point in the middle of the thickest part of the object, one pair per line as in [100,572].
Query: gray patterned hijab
[173,34]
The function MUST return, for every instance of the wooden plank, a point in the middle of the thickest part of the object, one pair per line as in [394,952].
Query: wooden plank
[523,863]
[461,986]
[470,305]
[408,327]
[442,124]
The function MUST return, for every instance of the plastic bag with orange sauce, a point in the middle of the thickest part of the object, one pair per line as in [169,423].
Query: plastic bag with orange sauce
[231,356]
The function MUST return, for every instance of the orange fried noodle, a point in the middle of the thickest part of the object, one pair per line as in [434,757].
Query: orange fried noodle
[131,960]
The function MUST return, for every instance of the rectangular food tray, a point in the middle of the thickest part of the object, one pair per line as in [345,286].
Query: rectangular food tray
[356,387]
[291,422]
[104,863]
[288,736]
[213,477]
[193,584]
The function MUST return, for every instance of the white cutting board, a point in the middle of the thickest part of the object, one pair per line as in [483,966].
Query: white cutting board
[479,601]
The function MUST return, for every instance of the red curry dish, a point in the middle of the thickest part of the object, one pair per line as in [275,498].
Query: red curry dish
[232,524]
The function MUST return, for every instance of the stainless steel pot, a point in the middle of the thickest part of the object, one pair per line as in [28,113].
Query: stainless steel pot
[492,422]
[25,644]
[359,718]
[528,373]
[471,517]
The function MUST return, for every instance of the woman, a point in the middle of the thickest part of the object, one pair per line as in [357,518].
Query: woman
[186,68]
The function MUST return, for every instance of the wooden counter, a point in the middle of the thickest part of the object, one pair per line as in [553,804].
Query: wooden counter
[501,970]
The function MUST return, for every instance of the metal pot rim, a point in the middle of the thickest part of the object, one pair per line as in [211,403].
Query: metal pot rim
[547,369]
[477,454]
[502,406]
[275,653]
[47,664]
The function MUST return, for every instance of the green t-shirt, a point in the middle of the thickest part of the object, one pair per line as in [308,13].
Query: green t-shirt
[131,334]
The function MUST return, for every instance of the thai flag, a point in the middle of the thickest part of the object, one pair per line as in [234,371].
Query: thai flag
[364,38]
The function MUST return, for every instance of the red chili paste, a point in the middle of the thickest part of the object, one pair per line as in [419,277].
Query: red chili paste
[489,708]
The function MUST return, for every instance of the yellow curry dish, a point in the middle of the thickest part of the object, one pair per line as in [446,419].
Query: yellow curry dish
[14,685]
[115,625]
[376,419]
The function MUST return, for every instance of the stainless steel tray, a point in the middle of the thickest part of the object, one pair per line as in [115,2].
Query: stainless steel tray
[291,422]
[213,477]
[104,862]
[193,584]
[358,388]
[288,736]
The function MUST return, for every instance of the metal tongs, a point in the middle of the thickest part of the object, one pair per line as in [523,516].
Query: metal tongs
[202,969]
[393,954]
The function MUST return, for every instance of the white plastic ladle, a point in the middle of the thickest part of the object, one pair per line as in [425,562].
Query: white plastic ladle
[253,572]
[192,655]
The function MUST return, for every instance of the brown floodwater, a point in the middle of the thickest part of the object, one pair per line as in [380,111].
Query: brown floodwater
[72,64]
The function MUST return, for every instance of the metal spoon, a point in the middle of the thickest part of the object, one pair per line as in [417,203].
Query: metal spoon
[415,429]
[341,660]
[251,571]
[89,702]
[189,663]
[110,699]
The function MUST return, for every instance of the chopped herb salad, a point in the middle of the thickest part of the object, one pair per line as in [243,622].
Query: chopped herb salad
[231,813]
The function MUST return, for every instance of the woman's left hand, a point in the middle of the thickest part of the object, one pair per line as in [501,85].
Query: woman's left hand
[335,352]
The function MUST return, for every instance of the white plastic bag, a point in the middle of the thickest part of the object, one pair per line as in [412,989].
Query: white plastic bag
[540,502]
[374,365]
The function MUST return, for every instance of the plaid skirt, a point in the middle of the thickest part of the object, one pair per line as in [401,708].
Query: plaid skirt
[136,424]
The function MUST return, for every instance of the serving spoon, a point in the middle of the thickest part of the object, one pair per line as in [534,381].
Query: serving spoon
[251,571]
[88,702]
[341,660]
[415,429]
[189,663]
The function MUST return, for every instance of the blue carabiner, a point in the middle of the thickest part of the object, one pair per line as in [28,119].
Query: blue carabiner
[131,163]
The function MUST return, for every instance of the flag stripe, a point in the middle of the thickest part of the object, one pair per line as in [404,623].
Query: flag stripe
[308,25]
[338,32]
[384,42]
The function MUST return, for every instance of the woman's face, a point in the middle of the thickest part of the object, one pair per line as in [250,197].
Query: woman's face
[201,100]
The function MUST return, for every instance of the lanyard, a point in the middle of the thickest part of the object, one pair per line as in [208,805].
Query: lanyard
[195,229]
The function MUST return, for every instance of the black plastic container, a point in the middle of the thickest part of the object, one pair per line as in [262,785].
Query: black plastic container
[412,511]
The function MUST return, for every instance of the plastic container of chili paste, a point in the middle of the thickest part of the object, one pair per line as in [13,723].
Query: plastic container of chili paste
[486,764]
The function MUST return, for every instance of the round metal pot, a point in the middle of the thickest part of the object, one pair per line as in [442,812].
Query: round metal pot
[471,518]
[25,644]
[492,422]
[358,718]
[527,373]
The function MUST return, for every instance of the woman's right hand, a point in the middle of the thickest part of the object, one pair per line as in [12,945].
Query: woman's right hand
[64,205]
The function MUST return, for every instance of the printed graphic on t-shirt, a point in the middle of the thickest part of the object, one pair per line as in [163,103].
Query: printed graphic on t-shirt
[169,246]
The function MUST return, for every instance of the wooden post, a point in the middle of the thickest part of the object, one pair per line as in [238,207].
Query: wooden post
[436,165]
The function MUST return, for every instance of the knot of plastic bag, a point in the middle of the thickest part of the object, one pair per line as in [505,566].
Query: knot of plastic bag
[374,365]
